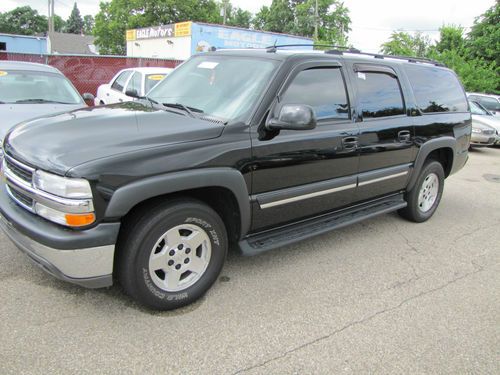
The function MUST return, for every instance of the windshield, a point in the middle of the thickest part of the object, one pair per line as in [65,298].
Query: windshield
[490,104]
[477,110]
[152,80]
[28,87]
[224,87]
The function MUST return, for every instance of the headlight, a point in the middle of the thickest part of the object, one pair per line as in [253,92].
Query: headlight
[62,186]
[71,220]
[475,130]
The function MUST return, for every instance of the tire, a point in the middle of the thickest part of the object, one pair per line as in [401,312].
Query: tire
[425,196]
[170,254]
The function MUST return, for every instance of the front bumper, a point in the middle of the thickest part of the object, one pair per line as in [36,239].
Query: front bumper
[80,257]
[481,140]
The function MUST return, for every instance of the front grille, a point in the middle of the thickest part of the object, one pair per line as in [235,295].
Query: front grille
[488,132]
[23,173]
[21,198]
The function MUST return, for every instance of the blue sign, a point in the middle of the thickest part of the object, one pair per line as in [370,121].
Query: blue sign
[205,36]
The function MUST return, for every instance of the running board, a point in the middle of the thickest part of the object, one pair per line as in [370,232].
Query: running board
[261,242]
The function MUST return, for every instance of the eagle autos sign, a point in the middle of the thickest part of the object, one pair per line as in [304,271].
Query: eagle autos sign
[163,31]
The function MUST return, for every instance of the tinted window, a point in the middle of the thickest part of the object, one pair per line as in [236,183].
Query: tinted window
[135,83]
[120,81]
[322,89]
[436,90]
[379,95]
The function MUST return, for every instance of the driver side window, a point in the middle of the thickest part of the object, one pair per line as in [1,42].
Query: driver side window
[321,88]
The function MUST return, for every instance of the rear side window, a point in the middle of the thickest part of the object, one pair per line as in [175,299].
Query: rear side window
[321,88]
[379,95]
[120,81]
[436,90]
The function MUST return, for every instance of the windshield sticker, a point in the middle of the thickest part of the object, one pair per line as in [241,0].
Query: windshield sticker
[362,76]
[156,77]
[3,73]
[208,65]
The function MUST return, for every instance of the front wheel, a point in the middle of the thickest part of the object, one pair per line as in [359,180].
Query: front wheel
[425,196]
[171,254]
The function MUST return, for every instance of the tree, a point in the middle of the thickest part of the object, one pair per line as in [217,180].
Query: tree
[484,37]
[88,24]
[279,17]
[24,21]
[74,24]
[239,17]
[333,20]
[59,24]
[451,38]
[406,44]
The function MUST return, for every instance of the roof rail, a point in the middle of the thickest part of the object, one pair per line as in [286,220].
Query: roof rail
[340,50]
[274,48]
[411,59]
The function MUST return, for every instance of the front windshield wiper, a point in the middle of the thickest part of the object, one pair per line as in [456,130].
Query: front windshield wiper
[190,110]
[39,101]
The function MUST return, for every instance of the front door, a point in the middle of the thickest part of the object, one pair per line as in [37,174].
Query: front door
[302,173]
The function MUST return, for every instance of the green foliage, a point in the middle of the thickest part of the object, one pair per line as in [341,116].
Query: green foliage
[474,57]
[298,17]
[406,44]
[59,24]
[24,21]
[484,38]
[88,24]
[74,24]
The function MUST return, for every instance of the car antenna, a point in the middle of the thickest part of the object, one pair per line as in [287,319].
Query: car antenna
[273,48]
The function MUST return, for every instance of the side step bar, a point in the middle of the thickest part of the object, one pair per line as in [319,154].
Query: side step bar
[261,242]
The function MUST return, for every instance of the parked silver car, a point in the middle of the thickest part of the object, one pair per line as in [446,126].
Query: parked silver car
[490,102]
[29,90]
[481,115]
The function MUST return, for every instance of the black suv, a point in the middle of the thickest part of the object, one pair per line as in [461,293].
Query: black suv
[251,148]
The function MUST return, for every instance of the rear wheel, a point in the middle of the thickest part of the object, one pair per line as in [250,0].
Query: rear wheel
[170,255]
[425,196]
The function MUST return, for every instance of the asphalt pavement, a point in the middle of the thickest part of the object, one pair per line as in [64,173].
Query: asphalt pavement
[383,296]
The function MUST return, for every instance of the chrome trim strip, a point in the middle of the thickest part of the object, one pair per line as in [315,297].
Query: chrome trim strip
[9,191]
[383,178]
[52,201]
[19,164]
[306,196]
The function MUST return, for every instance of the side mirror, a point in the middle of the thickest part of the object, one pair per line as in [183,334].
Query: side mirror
[132,92]
[88,98]
[293,117]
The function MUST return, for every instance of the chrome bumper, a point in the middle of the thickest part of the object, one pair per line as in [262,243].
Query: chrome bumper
[90,267]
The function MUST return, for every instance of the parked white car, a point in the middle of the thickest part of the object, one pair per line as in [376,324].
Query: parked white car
[133,80]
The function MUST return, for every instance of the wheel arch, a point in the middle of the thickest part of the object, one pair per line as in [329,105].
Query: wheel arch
[439,149]
[223,189]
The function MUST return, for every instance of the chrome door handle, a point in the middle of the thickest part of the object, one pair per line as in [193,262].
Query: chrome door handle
[404,135]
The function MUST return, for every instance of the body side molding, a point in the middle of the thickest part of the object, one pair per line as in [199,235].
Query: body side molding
[126,197]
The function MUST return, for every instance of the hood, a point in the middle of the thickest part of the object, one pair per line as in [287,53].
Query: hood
[13,114]
[491,121]
[60,142]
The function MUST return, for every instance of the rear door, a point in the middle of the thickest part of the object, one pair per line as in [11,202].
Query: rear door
[297,174]
[116,93]
[386,130]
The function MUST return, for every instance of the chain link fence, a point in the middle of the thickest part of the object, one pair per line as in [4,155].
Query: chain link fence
[87,72]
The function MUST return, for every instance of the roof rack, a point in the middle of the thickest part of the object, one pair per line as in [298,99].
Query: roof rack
[340,50]
[274,48]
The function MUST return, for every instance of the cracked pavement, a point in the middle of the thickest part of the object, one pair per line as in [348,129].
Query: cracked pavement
[382,296]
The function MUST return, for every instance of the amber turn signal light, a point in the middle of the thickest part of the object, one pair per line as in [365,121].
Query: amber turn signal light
[80,220]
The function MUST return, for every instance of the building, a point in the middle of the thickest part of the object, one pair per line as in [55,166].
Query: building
[70,44]
[181,40]
[23,44]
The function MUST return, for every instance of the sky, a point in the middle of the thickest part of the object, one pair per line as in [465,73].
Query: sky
[372,21]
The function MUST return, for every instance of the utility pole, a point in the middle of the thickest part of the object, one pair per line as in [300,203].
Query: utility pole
[224,11]
[316,17]
[51,16]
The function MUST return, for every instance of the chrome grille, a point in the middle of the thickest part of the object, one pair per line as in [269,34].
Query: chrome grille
[22,171]
[21,198]
[488,132]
